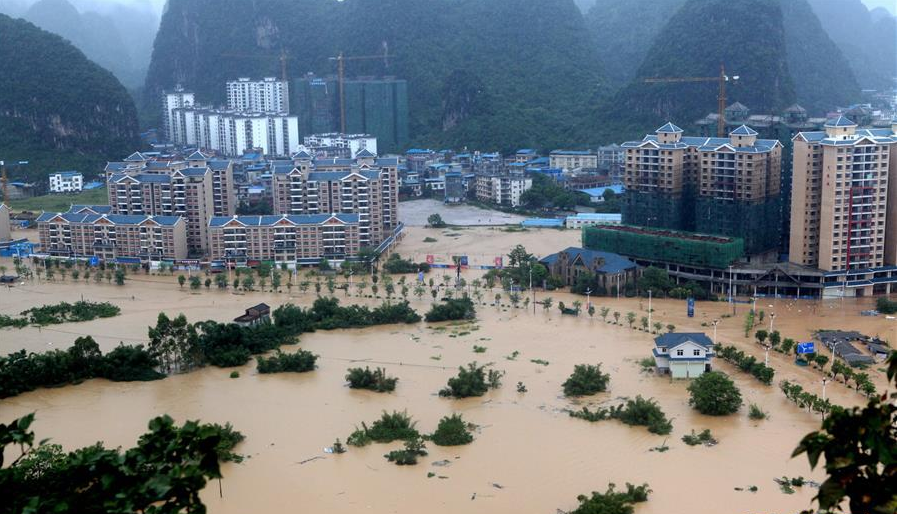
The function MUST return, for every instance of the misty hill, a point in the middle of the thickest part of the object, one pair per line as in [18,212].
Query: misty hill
[497,74]
[119,41]
[775,46]
[867,37]
[57,107]
[624,30]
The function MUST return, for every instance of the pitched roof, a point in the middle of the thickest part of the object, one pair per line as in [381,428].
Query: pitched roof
[364,153]
[841,121]
[677,338]
[743,130]
[96,209]
[737,106]
[296,219]
[796,108]
[610,262]
[668,128]
[134,157]
[197,156]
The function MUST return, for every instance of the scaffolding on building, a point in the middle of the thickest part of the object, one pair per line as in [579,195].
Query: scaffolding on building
[665,245]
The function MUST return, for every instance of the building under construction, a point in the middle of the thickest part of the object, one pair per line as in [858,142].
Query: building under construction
[711,185]
[376,106]
[714,262]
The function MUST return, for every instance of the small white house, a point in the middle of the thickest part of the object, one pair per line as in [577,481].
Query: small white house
[683,355]
[66,182]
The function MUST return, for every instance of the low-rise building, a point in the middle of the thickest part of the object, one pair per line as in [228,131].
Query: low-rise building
[66,182]
[255,315]
[612,272]
[572,160]
[113,237]
[683,355]
[291,239]
[505,189]
[588,219]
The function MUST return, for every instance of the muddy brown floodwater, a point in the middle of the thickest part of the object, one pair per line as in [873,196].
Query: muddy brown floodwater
[527,444]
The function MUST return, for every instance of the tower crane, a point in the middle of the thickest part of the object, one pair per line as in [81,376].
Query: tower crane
[341,68]
[721,79]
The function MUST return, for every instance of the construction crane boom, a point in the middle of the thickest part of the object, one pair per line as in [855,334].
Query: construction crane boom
[721,79]
[282,57]
[341,69]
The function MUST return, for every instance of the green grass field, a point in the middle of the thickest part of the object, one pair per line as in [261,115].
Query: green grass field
[60,202]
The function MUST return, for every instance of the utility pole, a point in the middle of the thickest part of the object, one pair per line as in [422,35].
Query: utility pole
[650,309]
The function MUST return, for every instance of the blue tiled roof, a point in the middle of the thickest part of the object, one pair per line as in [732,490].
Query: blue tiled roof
[194,172]
[841,121]
[99,209]
[136,156]
[611,262]
[218,165]
[387,161]
[599,191]
[68,173]
[197,156]
[743,131]
[282,169]
[264,221]
[117,219]
[526,151]
[329,176]
[668,128]
[363,153]
[542,222]
[144,177]
[571,152]
[677,338]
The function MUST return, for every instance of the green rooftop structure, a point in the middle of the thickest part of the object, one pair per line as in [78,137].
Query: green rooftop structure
[376,106]
[670,246]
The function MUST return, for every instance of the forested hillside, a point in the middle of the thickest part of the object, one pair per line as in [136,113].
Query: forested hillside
[57,108]
[501,74]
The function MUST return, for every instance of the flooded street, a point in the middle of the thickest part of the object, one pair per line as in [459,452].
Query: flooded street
[529,455]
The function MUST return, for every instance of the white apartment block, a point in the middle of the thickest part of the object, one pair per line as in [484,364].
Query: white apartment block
[231,133]
[66,182]
[268,95]
[355,142]
[171,100]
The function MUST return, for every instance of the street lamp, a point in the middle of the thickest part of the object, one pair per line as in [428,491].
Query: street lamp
[766,354]
[588,292]
[715,322]
[772,316]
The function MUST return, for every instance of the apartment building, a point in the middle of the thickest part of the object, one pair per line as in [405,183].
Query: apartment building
[723,186]
[185,192]
[355,143]
[573,160]
[171,100]
[366,186]
[843,178]
[266,95]
[224,191]
[112,237]
[66,182]
[288,238]
[503,189]
[232,132]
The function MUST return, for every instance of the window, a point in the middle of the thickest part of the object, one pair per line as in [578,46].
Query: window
[680,352]
[697,353]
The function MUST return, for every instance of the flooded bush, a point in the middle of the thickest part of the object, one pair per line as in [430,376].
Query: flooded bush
[396,264]
[281,362]
[585,380]
[612,501]
[634,412]
[22,372]
[746,363]
[390,427]
[408,456]
[472,381]
[452,309]
[376,380]
[703,437]
[452,431]
[62,312]
[756,412]
[714,394]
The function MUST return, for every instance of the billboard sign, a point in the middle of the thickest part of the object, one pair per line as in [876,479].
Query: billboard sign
[804,348]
